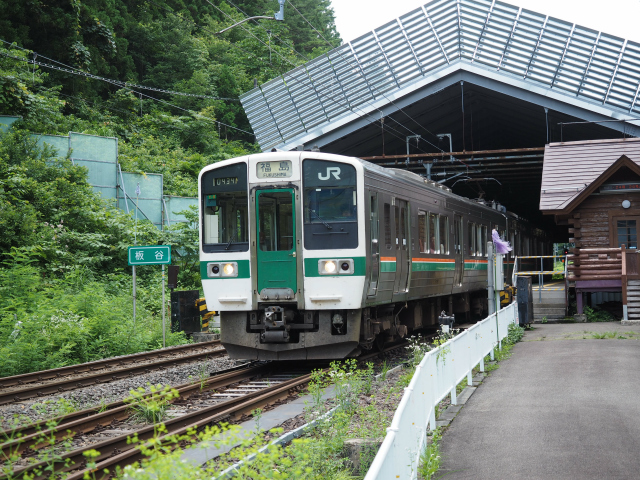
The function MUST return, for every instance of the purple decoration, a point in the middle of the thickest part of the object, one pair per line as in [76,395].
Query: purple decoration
[502,246]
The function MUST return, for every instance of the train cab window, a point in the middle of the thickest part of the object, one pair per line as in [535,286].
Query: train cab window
[472,238]
[225,209]
[387,225]
[329,205]
[444,234]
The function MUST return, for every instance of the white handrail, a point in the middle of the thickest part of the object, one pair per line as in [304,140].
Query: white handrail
[436,376]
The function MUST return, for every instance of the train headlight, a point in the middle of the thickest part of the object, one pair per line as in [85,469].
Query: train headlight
[327,267]
[342,266]
[230,269]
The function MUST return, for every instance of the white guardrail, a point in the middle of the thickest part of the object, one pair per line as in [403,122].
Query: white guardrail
[436,377]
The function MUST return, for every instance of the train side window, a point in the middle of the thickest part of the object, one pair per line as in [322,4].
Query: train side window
[433,233]
[444,234]
[472,238]
[480,243]
[484,240]
[387,225]
[422,232]
[396,212]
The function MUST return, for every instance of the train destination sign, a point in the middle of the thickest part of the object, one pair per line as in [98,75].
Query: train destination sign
[274,169]
[150,255]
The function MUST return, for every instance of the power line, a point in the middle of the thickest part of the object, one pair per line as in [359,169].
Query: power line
[77,71]
[197,25]
[119,84]
[285,43]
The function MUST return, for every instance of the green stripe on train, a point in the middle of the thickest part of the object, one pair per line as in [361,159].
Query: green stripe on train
[387,266]
[243,269]
[311,267]
[471,265]
[432,266]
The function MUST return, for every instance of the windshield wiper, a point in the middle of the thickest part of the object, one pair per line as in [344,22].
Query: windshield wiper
[230,241]
[321,220]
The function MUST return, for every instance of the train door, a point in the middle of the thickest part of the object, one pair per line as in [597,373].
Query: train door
[458,250]
[402,247]
[276,252]
[374,271]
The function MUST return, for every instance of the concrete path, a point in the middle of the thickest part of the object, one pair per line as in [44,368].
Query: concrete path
[566,405]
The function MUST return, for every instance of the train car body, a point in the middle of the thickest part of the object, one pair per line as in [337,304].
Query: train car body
[317,256]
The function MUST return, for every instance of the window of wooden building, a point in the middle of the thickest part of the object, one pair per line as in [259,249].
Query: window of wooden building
[625,231]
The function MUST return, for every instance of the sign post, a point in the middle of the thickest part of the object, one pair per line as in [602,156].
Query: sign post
[150,255]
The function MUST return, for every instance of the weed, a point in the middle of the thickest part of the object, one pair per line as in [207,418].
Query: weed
[544,319]
[257,415]
[603,335]
[151,407]
[430,457]
[367,379]
[384,370]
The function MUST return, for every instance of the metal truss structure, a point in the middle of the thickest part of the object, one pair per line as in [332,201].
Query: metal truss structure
[589,74]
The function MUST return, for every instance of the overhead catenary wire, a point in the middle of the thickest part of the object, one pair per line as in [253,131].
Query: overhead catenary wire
[390,129]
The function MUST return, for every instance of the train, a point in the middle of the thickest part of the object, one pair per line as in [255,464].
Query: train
[315,256]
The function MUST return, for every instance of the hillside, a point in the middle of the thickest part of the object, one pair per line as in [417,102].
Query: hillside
[64,267]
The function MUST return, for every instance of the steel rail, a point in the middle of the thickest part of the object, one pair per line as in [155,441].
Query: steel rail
[119,451]
[98,364]
[68,426]
[67,385]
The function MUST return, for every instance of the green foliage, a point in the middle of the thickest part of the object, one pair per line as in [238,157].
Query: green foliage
[151,406]
[597,315]
[514,334]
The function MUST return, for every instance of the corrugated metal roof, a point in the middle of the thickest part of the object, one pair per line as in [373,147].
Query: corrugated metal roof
[571,167]
[403,55]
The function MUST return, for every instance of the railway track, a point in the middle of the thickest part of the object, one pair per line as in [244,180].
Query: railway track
[47,382]
[246,388]
[243,392]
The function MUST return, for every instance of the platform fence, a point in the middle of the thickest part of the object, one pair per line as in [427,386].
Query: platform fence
[436,376]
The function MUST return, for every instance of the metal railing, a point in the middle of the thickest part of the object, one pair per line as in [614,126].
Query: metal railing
[540,273]
[436,376]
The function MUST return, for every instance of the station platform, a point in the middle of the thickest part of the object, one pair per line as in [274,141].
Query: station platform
[564,406]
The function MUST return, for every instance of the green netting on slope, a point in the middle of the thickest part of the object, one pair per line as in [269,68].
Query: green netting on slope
[178,204]
[6,121]
[58,142]
[150,199]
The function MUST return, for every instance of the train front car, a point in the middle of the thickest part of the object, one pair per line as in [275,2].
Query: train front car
[282,255]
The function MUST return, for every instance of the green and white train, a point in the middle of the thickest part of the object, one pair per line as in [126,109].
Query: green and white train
[309,255]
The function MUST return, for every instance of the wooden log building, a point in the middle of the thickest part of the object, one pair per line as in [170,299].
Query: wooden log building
[593,187]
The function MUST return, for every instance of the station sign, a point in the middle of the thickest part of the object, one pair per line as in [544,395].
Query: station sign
[150,255]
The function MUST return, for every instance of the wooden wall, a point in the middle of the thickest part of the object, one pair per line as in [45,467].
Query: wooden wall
[591,225]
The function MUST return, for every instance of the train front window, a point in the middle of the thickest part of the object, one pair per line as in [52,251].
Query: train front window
[225,209]
[329,206]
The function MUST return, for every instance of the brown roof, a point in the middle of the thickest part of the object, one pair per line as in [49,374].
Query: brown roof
[571,167]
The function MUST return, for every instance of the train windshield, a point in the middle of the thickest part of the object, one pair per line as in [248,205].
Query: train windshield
[330,207]
[225,209]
